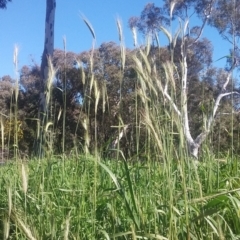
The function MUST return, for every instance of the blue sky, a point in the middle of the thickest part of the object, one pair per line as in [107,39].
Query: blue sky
[22,23]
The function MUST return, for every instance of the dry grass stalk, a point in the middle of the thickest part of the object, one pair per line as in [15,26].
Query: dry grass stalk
[49,83]
[85,124]
[67,226]
[15,62]
[24,175]
[22,226]
[134,32]
[2,137]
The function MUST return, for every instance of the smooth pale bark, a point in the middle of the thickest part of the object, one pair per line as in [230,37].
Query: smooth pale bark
[116,141]
[194,144]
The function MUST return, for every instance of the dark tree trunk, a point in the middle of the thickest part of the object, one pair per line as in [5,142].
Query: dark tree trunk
[45,73]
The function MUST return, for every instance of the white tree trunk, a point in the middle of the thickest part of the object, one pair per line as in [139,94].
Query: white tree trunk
[194,144]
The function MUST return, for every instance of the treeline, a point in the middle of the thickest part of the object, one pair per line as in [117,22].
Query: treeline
[96,102]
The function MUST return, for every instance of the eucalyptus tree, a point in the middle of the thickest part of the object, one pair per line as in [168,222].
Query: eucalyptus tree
[6,88]
[3,3]
[226,19]
[210,12]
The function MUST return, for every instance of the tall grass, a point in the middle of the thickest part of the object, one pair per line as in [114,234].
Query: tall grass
[66,199]
[166,196]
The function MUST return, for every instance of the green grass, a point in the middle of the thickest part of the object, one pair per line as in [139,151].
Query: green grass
[82,198]
[159,193]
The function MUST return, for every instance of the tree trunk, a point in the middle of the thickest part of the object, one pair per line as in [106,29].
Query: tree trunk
[46,73]
[49,38]
[194,144]
[193,149]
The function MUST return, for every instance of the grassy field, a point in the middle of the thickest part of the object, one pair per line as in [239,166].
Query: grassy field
[159,193]
[86,198]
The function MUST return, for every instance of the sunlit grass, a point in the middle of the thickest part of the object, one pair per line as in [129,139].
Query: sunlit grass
[159,193]
[52,199]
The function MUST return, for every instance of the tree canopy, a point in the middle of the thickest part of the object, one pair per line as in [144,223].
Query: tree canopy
[106,104]
[3,3]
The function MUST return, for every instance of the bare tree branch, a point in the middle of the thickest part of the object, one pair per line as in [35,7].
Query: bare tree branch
[215,108]
[207,16]
[229,75]
[119,137]
[172,103]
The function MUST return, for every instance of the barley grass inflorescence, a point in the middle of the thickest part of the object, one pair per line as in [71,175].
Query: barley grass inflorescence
[159,193]
[148,200]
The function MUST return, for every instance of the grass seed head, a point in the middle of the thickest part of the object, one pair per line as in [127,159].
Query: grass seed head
[24,178]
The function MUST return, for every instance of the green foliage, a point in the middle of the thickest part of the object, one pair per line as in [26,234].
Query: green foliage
[74,83]
[111,103]
[82,198]
[3,3]
[9,130]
